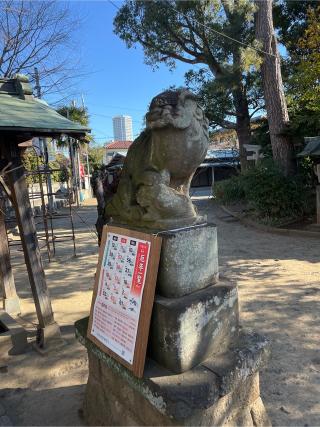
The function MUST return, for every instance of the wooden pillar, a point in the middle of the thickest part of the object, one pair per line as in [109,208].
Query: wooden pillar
[48,329]
[11,303]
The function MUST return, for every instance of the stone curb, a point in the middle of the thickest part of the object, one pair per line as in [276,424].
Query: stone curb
[36,210]
[269,229]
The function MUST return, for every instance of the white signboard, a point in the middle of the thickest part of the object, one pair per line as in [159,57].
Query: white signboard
[117,306]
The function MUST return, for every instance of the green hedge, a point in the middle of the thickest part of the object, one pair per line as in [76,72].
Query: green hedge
[271,195]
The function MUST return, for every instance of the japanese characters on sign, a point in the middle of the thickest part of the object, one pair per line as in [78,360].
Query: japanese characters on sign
[121,283]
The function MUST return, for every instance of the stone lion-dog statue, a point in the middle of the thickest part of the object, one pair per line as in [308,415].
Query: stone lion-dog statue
[153,191]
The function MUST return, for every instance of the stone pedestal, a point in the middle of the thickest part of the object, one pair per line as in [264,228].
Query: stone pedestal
[189,260]
[200,369]
[187,330]
[194,317]
[221,391]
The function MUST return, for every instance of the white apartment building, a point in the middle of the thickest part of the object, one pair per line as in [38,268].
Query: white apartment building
[122,128]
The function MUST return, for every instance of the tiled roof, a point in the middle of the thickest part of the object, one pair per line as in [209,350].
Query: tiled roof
[312,148]
[118,145]
[19,111]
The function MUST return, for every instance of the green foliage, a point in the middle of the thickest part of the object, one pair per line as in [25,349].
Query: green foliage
[272,196]
[261,136]
[303,122]
[303,90]
[33,163]
[76,114]
[230,190]
[250,59]
[290,19]
[61,162]
[304,83]
[95,154]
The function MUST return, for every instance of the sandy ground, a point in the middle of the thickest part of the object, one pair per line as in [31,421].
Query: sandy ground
[278,280]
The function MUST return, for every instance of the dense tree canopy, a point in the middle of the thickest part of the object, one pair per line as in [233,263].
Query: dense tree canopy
[290,19]
[303,83]
[306,79]
[213,37]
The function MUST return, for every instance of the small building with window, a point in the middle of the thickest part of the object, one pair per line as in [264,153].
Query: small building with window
[115,147]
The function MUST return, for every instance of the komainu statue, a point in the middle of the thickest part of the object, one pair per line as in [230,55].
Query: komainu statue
[153,191]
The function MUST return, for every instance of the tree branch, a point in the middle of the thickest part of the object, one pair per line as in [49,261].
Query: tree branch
[227,124]
[255,111]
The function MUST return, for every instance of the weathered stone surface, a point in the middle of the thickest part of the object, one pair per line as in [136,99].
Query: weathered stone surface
[101,404]
[153,191]
[244,357]
[180,270]
[13,338]
[197,397]
[5,421]
[185,331]
[112,401]
[259,414]
[2,410]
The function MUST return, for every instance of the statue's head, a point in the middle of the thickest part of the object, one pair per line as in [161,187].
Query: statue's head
[179,132]
[175,108]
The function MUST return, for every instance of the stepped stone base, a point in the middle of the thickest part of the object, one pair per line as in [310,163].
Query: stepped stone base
[187,330]
[222,391]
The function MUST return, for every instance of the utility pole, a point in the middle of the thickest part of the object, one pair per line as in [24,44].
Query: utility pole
[88,172]
[37,80]
[87,154]
[45,147]
[73,166]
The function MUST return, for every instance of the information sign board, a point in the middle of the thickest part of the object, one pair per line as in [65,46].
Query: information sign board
[123,295]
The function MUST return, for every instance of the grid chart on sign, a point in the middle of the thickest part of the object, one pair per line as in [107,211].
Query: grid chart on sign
[120,289]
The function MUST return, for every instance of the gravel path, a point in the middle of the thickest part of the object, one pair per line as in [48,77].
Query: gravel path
[279,291]
[278,280]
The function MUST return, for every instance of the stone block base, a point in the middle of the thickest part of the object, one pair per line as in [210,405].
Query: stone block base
[187,330]
[221,391]
[13,338]
[189,260]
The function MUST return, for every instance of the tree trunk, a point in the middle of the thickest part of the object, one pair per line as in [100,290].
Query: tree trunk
[243,129]
[277,112]
[240,104]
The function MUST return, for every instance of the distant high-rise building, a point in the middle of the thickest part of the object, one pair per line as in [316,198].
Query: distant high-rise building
[122,128]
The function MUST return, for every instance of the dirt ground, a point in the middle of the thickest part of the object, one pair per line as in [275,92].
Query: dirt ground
[278,280]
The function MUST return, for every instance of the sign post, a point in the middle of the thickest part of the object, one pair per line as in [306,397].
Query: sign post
[123,295]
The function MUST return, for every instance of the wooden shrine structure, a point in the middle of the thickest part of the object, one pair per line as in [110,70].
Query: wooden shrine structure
[312,150]
[23,117]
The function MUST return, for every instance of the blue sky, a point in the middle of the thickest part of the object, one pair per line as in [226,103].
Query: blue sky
[118,81]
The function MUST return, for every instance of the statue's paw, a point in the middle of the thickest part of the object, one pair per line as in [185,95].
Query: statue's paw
[150,178]
[145,195]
